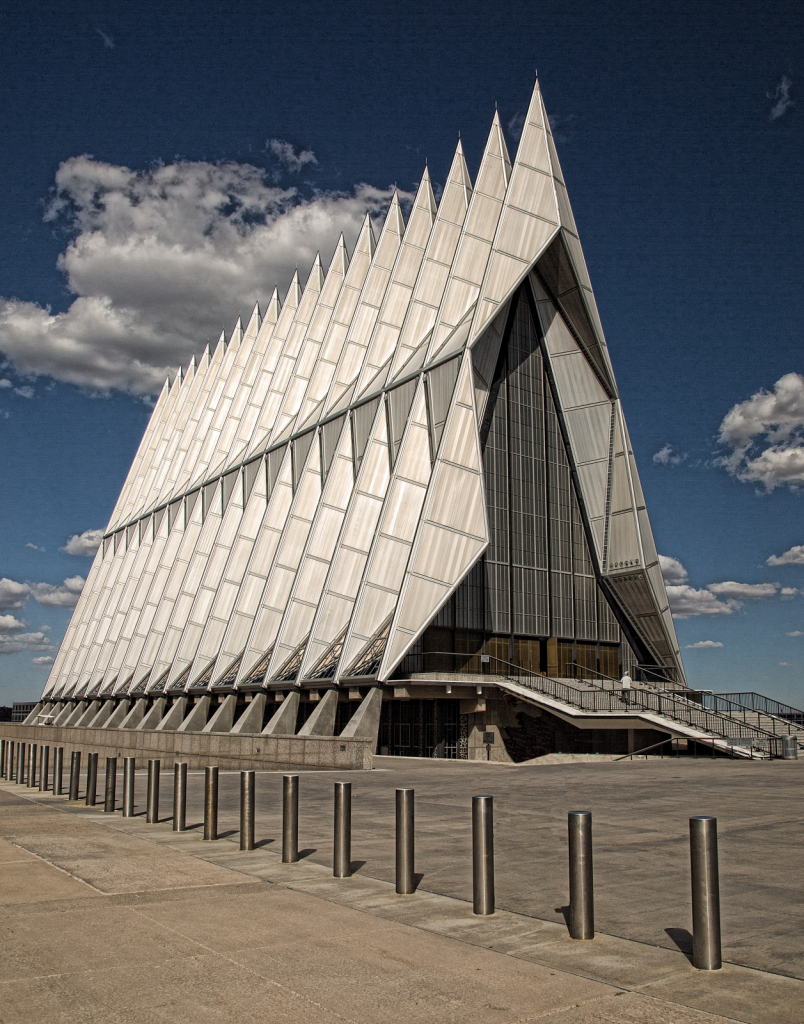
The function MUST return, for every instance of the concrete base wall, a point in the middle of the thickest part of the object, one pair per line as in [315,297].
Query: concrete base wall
[241,751]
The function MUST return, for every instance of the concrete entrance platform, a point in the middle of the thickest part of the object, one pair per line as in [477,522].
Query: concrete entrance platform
[111,920]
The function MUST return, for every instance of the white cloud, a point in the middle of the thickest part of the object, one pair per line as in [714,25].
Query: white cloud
[6,383]
[788,593]
[34,546]
[793,556]
[687,602]
[743,591]
[666,457]
[13,595]
[10,624]
[287,154]
[108,41]
[43,661]
[672,570]
[766,436]
[796,632]
[64,596]
[787,664]
[86,543]
[781,98]
[702,644]
[161,258]
[25,392]
[16,642]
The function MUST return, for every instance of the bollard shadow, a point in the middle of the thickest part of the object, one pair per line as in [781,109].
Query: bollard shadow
[229,832]
[263,842]
[356,865]
[683,940]
[196,824]
[565,913]
[418,877]
[305,853]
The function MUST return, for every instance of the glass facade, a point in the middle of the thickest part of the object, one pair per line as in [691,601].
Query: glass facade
[536,582]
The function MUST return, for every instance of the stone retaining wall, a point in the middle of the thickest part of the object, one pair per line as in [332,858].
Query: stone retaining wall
[239,751]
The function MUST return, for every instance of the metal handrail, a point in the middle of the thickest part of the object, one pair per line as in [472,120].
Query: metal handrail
[723,703]
[644,750]
[668,704]
[766,705]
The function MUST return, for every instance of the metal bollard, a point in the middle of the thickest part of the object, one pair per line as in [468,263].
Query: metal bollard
[211,802]
[180,796]
[483,854]
[21,752]
[342,859]
[111,785]
[44,768]
[404,842]
[129,764]
[31,765]
[58,771]
[789,748]
[75,775]
[705,895]
[247,800]
[92,780]
[290,819]
[581,880]
[152,806]
[2,759]
[10,762]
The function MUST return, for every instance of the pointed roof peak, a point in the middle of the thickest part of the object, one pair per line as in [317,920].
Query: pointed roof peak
[366,241]
[294,291]
[340,258]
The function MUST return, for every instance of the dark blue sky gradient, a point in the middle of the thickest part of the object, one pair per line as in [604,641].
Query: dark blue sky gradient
[688,200]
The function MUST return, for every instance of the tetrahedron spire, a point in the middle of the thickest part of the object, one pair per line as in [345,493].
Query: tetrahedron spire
[293,297]
[340,258]
[254,322]
[237,334]
[316,278]
[273,309]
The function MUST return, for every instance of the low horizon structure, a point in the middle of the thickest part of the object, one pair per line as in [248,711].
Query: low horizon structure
[414,474]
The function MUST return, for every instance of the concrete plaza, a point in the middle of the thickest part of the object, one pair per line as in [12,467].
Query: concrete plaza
[110,919]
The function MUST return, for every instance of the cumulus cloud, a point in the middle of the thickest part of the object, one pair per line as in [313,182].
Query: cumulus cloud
[16,642]
[781,98]
[793,556]
[766,436]
[24,392]
[10,624]
[287,154]
[672,570]
[796,632]
[64,596]
[6,383]
[34,546]
[13,595]
[86,543]
[702,644]
[667,457]
[717,598]
[687,602]
[42,662]
[159,259]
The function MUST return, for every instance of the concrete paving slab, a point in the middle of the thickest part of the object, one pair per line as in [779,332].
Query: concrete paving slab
[24,882]
[631,1008]
[737,992]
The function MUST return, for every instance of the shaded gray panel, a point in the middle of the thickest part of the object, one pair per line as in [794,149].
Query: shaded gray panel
[400,401]
[228,486]
[300,451]
[250,472]
[362,419]
[207,495]
[189,505]
[273,464]
[440,385]
[330,433]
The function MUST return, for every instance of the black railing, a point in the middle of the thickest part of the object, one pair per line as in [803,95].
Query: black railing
[666,703]
[766,706]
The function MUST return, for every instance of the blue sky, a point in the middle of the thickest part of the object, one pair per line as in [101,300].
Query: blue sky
[158,156]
